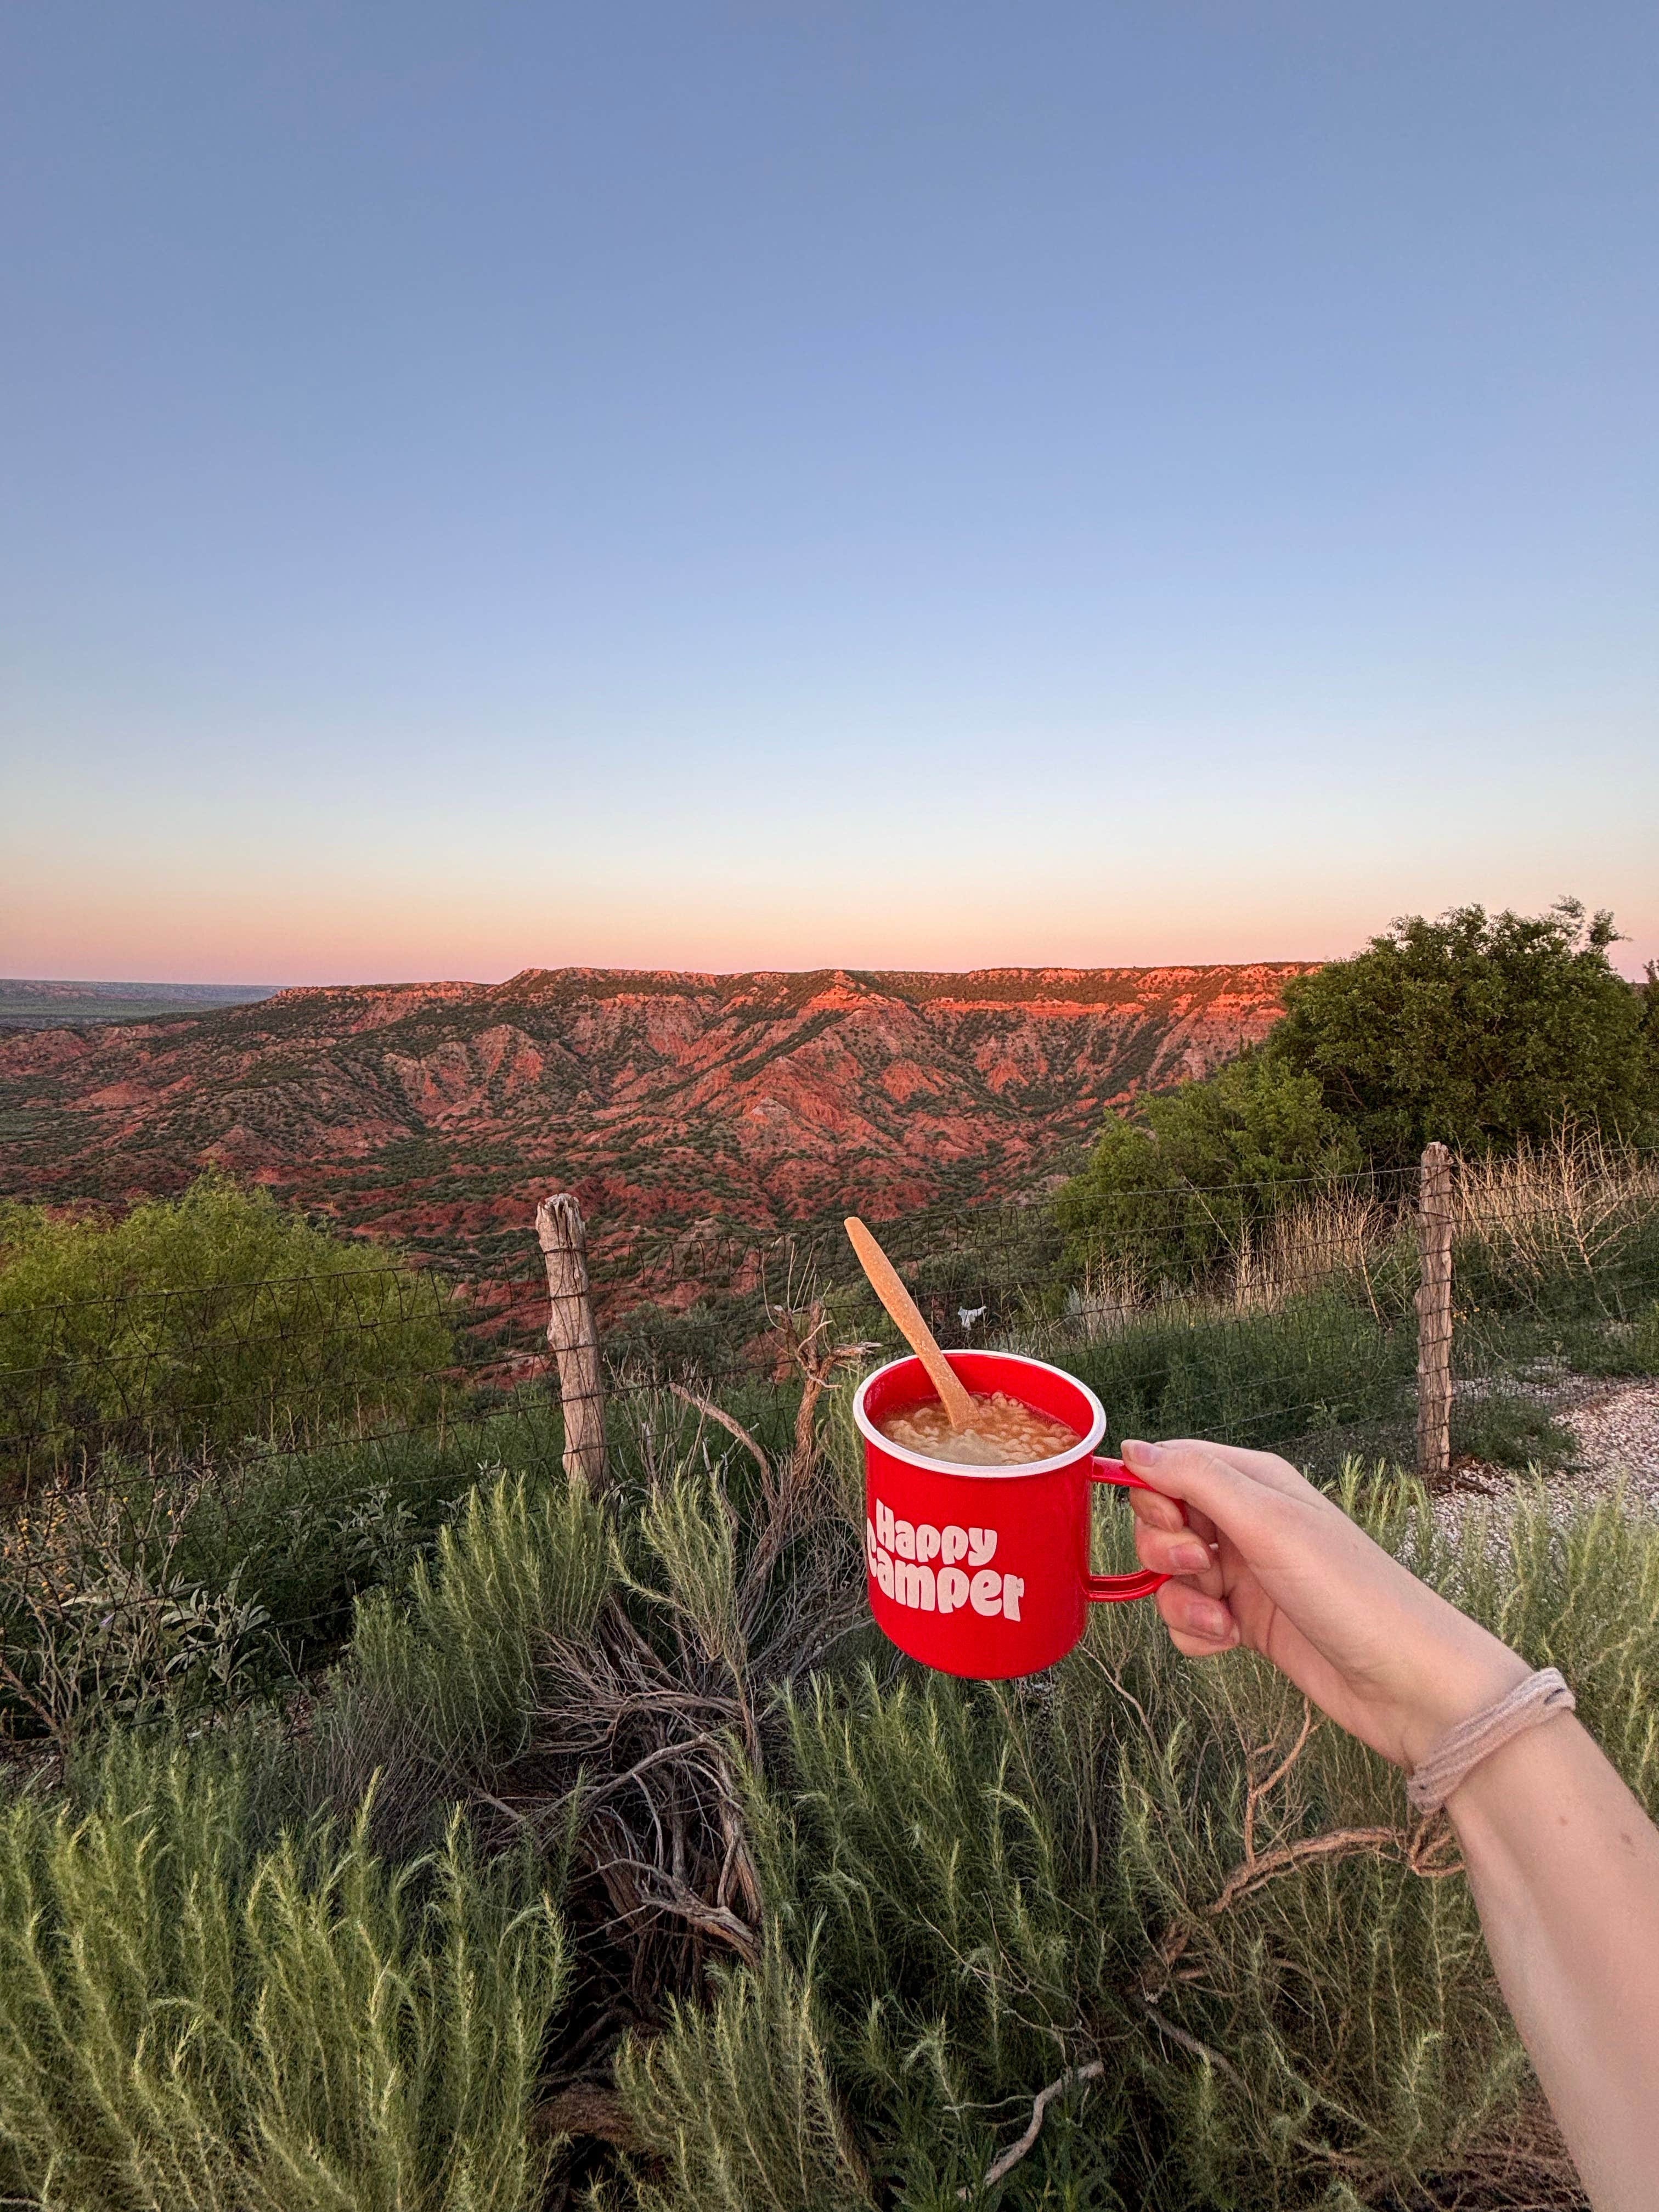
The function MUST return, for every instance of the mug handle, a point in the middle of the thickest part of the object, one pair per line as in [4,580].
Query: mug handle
[1114,1589]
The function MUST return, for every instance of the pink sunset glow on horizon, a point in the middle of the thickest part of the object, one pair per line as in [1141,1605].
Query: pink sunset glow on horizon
[806,488]
[269,944]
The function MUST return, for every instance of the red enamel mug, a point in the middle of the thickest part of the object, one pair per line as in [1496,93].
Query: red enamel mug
[984,1571]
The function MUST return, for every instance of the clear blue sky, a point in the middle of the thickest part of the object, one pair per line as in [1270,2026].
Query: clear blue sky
[804,481]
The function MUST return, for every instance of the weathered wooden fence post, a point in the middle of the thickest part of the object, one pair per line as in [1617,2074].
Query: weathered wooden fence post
[1434,1313]
[572,1334]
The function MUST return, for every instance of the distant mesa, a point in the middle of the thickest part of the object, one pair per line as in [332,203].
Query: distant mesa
[439,1113]
[29,1005]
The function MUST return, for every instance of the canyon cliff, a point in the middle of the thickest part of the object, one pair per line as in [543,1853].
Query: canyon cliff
[438,1112]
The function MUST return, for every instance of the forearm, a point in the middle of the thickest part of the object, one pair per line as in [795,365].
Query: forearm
[1565,1867]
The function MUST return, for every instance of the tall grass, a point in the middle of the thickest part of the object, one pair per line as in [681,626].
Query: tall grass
[1320,1362]
[1303,1335]
[1575,1222]
[192,2022]
[1211,1925]
[1349,1236]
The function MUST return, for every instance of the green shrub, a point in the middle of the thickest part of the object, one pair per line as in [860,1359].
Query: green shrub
[101,1619]
[966,1891]
[303,1533]
[1508,1428]
[193,1324]
[758,2050]
[459,1659]
[980,1890]
[1169,1193]
[703,1339]
[189,2020]
[1604,1349]
[150,1585]
[1485,1032]
[438,1690]
[1323,1362]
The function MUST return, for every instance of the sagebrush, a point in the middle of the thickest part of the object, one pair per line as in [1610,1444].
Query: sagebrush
[190,2017]
[589,1840]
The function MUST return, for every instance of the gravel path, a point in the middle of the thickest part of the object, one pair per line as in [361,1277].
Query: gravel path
[1618,1433]
[1615,1426]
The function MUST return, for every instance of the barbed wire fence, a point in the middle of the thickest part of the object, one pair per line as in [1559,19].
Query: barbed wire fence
[185,1470]
[1271,1291]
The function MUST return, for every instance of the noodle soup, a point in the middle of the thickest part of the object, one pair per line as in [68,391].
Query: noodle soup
[1004,1433]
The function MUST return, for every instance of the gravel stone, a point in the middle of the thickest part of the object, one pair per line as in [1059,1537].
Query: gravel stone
[1618,1437]
[1615,1425]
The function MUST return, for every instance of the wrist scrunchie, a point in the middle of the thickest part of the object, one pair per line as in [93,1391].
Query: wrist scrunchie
[1540,1698]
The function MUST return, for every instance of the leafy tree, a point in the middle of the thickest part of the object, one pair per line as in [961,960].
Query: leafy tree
[1169,1192]
[1648,993]
[1483,1031]
[201,1320]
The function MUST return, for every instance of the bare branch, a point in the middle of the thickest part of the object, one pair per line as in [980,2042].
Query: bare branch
[1190,2042]
[714,1412]
[1011,2157]
[1429,1853]
[1260,1789]
[673,1896]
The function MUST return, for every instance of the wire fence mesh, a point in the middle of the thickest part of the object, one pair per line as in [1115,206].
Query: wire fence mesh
[1269,1311]
[202,1481]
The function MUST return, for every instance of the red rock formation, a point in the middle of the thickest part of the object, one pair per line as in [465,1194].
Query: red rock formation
[439,1111]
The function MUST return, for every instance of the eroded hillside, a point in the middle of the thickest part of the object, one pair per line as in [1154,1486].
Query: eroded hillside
[437,1111]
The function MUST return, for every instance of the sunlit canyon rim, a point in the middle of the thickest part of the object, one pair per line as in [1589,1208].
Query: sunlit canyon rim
[438,1112]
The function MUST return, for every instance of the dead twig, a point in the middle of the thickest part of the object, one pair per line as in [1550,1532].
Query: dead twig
[584,2109]
[1258,1790]
[673,1895]
[1010,2158]
[711,1412]
[1167,2027]
[1428,1851]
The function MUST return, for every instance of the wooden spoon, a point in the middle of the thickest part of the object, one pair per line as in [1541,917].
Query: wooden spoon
[884,1282]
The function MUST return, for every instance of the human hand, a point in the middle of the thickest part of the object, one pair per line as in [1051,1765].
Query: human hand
[1266,1560]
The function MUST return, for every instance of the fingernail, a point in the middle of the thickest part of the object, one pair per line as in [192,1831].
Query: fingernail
[1140,1455]
[1189,1559]
[1213,1620]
